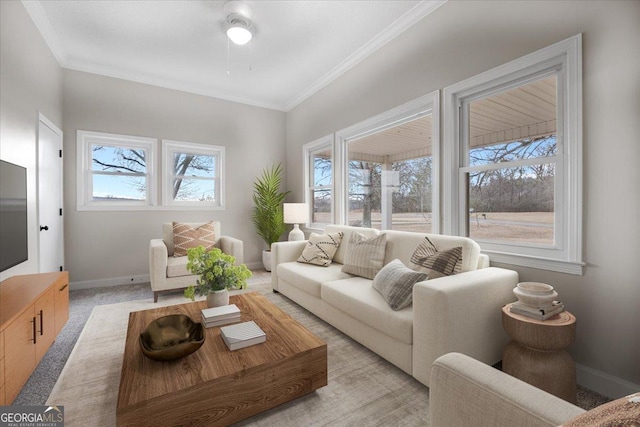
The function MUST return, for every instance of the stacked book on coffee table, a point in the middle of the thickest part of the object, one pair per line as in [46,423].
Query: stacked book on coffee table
[218,316]
[538,313]
[242,335]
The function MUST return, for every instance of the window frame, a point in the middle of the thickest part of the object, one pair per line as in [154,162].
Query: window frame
[309,149]
[420,107]
[565,58]
[169,147]
[84,172]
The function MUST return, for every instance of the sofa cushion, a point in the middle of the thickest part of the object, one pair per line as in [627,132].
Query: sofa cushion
[309,277]
[402,245]
[395,283]
[347,230]
[437,263]
[356,297]
[177,267]
[321,248]
[186,237]
[365,257]
[167,233]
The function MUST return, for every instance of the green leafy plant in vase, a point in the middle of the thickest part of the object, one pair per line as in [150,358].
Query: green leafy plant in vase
[218,274]
[268,216]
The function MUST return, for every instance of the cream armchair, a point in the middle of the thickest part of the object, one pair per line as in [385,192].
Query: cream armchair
[465,392]
[168,272]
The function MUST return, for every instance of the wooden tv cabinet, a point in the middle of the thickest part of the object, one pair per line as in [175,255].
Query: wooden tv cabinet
[33,310]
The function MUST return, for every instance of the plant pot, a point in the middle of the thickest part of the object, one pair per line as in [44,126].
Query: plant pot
[218,298]
[266,260]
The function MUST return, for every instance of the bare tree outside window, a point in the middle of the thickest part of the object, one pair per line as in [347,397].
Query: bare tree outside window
[513,203]
[118,173]
[193,177]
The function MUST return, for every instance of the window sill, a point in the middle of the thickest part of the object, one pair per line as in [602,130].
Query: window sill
[561,266]
[80,208]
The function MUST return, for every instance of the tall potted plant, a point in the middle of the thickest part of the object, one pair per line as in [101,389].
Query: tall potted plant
[268,216]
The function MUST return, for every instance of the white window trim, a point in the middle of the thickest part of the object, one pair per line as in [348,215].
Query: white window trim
[566,54]
[171,146]
[425,105]
[308,150]
[84,175]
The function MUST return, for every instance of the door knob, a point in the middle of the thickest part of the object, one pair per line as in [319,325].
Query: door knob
[45,228]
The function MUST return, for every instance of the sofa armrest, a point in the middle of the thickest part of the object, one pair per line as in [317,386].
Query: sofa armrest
[460,313]
[232,246]
[466,392]
[284,252]
[158,255]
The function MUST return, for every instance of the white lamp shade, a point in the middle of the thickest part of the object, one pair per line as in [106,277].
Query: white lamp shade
[239,34]
[296,213]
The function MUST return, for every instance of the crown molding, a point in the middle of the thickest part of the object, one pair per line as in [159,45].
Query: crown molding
[415,14]
[403,23]
[39,18]
[167,83]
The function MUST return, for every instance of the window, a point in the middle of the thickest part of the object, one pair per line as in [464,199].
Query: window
[192,174]
[115,171]
[513,159]
[319,181]
[388,168]
[390,177]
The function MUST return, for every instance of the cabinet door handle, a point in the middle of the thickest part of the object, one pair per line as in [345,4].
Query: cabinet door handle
[34,329]
[41,322]
[63,288]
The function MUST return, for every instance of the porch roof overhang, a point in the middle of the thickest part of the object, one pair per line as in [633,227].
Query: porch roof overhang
[525,112]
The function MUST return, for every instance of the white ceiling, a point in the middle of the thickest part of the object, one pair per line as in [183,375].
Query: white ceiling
[299,46]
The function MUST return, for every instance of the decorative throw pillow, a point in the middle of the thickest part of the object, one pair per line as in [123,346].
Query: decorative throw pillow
[436,263]
[364,257]
[321,248]
[186,237]
[621,412]
[395,283]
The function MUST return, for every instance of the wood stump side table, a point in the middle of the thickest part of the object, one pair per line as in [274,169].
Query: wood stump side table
[537,353]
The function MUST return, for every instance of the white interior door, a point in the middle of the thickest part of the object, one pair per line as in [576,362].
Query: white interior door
[51,243]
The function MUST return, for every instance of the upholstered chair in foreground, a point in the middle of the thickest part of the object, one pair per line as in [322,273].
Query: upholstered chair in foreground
[465,392]
[168,260]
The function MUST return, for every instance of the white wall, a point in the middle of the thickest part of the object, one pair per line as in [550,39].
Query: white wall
[30,82]
[464,38]
[101,246]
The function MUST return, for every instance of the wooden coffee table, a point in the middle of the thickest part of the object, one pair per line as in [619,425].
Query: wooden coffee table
[215,386]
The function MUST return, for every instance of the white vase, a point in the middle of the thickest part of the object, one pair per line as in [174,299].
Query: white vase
[535,294]
[266,260]
[218,298]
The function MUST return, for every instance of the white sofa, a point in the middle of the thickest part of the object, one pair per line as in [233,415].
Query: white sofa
[453,313]
[167,272]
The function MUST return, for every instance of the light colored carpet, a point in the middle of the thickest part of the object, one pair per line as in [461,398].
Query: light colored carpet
[363,388]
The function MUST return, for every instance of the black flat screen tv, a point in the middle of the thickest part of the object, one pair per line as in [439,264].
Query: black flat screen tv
[13,215]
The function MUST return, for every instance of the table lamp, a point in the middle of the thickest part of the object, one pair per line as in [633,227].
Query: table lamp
[296,213]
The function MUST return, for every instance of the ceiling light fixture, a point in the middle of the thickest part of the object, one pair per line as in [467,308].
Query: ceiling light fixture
[239,31]
[239,27]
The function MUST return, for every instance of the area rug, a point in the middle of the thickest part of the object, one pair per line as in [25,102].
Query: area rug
[363,389]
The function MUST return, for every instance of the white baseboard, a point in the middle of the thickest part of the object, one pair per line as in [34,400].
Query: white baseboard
[130,280]
[112,281]
[603,383]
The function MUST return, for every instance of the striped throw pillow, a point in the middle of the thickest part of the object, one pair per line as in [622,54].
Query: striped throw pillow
[435,263]
[186,237]
[364,257]
[395,283]
[321,248]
